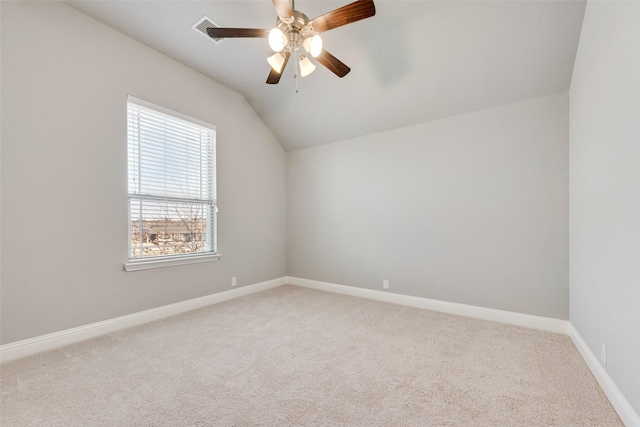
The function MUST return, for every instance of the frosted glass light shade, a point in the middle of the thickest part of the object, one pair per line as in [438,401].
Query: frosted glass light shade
[313,45]
[276,61]
[277,40]
[306,67]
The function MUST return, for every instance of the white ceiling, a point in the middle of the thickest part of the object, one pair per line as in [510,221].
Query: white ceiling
[413,62]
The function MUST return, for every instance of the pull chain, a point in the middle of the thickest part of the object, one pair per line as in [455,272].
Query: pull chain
[295,69]
[295,54]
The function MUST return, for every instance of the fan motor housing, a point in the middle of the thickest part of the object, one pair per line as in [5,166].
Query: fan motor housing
[295,28]
[298,21]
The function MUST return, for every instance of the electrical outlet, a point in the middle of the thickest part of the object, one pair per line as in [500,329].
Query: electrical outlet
[234,281]
[385,284]
[603,354]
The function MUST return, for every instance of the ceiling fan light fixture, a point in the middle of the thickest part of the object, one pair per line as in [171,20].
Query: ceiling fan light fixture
[313,45]
[306,67]
[276,61]
[277,39]
[295,33]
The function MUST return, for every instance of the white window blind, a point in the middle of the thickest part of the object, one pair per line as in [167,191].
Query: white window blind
[172,191]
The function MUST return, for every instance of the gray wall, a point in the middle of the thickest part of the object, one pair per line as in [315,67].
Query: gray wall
[471,209]
[65,81]
[605,190]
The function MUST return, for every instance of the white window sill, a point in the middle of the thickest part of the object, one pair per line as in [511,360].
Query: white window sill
[146,264]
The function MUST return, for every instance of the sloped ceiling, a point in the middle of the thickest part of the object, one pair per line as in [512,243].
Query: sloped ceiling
[413,62]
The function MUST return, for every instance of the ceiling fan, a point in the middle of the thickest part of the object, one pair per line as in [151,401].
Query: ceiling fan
[295,34]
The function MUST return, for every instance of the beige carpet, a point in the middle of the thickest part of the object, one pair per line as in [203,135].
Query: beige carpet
[292,356]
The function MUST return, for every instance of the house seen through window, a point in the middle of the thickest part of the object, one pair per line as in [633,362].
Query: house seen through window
[171,180]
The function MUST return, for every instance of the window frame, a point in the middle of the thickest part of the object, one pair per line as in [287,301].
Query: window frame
[136,264]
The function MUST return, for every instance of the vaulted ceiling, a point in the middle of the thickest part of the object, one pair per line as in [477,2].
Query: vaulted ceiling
[413,62]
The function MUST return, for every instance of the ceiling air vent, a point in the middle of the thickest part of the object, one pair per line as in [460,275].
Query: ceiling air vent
[202,25]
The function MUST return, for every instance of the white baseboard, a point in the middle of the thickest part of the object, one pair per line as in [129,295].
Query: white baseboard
[35,345]
[511,318]
[622,406]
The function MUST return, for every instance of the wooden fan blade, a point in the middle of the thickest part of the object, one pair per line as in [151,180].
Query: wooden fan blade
[224,33]
[274,76]
[283,8]
[344,15]
[334,65]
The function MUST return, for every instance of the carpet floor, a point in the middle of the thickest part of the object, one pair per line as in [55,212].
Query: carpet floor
[292,356]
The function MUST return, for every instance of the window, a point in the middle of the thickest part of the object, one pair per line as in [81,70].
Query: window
[172,189]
